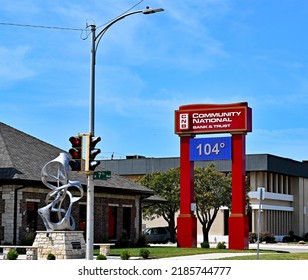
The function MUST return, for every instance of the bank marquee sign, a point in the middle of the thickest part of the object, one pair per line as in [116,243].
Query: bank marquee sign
[201,119]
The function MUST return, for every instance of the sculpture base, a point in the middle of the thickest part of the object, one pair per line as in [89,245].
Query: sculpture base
[62,244]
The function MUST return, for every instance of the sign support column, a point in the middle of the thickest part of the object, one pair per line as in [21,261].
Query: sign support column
[194,119]
[186,221]
[238,220]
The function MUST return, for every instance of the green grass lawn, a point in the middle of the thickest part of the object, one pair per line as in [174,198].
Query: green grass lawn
[165,252]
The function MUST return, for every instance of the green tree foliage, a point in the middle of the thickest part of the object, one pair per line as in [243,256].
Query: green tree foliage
[167,186]
[212,191]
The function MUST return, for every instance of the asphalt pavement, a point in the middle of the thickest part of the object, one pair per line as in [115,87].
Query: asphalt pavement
[291,248]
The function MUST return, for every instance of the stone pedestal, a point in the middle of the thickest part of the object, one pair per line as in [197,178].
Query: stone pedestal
[63,244]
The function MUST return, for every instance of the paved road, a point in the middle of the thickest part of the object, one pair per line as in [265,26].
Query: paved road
[294,248]
[214,256]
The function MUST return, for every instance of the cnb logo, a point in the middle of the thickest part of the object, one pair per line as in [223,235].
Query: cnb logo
[184,121]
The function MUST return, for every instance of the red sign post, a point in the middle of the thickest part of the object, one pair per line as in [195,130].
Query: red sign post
[207,119]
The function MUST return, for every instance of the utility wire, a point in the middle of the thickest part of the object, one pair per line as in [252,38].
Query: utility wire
[42,26]
[63,28]
[134,6]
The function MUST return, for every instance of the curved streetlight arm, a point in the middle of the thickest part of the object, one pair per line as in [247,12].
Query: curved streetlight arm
[94,45]
[147,11]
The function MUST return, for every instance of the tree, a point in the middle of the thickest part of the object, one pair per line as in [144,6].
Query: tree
[212,190]
[167,186]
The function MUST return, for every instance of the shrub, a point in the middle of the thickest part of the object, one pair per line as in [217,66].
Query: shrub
[205,244]
[291,237]
[101,257]
[268,237]
[125,255]
[306,236]
[221,245]
[253,237]
[264,237]
[51,257]
[12,255]
[144,253]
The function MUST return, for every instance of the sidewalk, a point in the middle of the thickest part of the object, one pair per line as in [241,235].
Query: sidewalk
[212,256]
[293,248]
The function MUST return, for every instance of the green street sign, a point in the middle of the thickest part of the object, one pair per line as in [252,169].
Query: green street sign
[101,175]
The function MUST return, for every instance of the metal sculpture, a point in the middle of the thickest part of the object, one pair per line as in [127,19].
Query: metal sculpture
[59,184]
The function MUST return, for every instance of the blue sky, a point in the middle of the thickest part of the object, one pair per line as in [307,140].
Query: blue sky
[209,51]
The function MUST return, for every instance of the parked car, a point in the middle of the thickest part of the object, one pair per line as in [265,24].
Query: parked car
[157,235]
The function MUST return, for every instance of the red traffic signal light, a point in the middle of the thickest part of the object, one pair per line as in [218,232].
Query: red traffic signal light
[76,153]
[76,141]
[92,152]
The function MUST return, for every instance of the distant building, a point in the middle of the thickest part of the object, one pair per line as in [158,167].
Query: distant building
[285,182]
[117,202]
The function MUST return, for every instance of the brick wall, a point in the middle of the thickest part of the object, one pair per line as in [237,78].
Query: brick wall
[101,204]
[1,211]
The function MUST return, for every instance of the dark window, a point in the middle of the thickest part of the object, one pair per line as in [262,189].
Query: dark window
[82,216]
[126,222]
[112,222]
[31,216]
[226,222]
[161,230]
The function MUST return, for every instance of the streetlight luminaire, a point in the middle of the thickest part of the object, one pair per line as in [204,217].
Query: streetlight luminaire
[152,11]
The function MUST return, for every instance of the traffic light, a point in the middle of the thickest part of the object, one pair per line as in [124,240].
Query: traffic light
[92,153]
[76,153]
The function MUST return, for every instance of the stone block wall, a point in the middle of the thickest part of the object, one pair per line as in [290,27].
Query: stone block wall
[62,244]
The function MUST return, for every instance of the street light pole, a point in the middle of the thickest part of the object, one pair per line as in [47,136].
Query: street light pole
[95,39]
[92,80]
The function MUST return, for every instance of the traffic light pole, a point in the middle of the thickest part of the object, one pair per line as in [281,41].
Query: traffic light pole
[90,218]
[90,187]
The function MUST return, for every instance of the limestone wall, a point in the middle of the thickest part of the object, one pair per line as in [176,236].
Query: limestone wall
[62,244]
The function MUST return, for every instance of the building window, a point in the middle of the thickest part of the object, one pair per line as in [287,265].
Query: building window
[226,221]
[31,216]
[82,216]
[126,222]
[112,222]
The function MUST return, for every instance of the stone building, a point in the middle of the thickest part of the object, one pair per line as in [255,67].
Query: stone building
[117,202]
